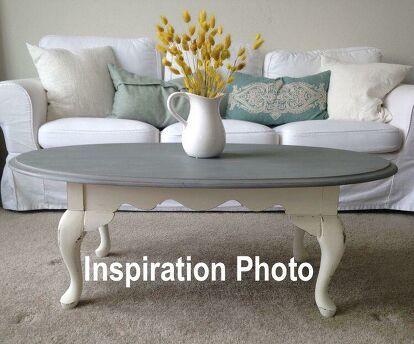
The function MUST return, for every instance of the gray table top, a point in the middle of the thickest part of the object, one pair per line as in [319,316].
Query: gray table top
[166,165]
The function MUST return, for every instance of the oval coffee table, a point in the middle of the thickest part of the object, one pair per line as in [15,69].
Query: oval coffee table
[304,180]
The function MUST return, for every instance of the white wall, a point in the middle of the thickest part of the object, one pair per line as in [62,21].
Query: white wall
[285,24]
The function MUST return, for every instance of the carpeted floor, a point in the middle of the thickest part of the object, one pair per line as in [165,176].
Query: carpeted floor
[373,286]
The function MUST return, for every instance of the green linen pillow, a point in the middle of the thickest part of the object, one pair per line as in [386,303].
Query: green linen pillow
[274,102]
[145,99]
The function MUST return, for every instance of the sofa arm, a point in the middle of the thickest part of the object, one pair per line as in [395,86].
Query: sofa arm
[400,102]
[23,108]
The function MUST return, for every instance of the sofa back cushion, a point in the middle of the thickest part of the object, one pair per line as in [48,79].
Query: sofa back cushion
[281,63]
[275,102]
[136,55]
[76,83]
[145,99]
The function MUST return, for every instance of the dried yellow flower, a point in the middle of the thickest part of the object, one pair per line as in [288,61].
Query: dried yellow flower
[202,16]
[173,50]
[186,16]
[210,52]
[165,62]
[227,42]
[169,36]
[212,22]
[225,54]
[241,66]
[191,30]
[174,71]
[258,44]
[201,37]
[162,38]
[164,20]
[205,26]
[161,48]
[179,62]
[187,70]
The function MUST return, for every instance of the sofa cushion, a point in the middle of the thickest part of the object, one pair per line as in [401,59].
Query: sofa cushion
[62,73]
[236,132]
[278,101]
[86,130]
[136,55]
[145,99]
[282,63]
[356,91]
[368,137]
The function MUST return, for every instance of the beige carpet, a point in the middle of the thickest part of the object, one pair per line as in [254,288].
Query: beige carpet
[373,286]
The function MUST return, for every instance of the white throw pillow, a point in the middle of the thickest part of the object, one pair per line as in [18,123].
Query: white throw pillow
[356,91]
[78,83]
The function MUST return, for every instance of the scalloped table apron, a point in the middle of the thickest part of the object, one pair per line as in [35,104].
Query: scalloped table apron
[304,180]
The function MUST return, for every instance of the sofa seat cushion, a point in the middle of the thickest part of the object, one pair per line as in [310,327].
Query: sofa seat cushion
[87,130]
[236,132]
[368,137]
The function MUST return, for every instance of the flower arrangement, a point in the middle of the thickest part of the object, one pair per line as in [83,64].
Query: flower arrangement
[198,55]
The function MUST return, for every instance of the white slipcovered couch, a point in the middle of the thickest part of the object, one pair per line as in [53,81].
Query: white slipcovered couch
[23,119]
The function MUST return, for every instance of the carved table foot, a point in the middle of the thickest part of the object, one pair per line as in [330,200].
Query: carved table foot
[71,233]
[105,245]
[330,234]
[332,243]
[299,252]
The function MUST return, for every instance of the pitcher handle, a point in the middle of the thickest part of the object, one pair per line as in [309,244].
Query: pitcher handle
[170,106]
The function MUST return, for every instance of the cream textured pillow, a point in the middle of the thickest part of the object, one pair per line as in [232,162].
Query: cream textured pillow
[356,91]
[77,82]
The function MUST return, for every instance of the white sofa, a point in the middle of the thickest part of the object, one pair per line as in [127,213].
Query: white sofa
[23,119]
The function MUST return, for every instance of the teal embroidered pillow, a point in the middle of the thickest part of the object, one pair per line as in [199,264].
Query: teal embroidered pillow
[145,99]
[274,102]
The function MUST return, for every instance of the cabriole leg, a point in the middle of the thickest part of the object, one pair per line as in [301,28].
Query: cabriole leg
[299,252]
[105,245]
[71,233]
[332,243]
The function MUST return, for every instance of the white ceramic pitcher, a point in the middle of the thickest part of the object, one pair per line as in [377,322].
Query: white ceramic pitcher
[203,135]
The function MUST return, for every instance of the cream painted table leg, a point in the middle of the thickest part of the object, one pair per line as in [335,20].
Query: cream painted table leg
[299,251]
[332,243]
[316,214]
[330,234]
[72,228]
[71,233]
[105,245]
